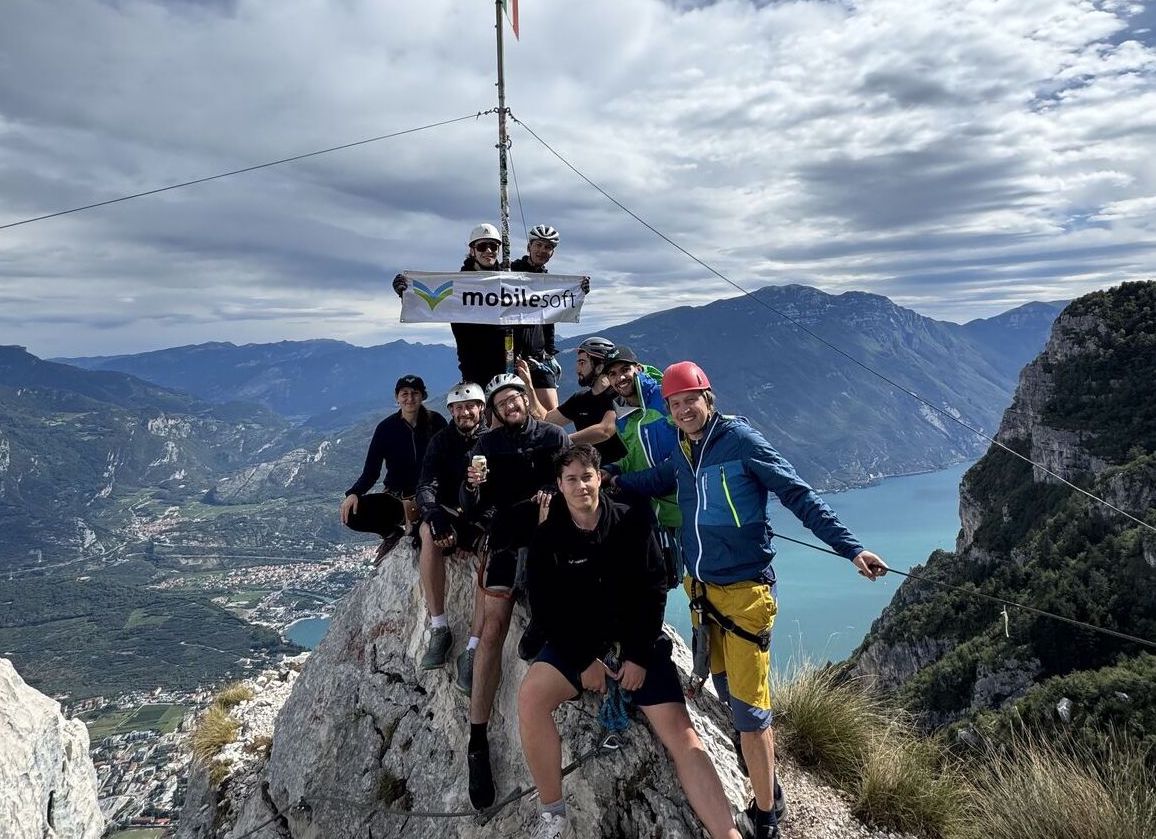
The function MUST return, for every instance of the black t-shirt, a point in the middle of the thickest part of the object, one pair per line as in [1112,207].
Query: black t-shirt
[586,408]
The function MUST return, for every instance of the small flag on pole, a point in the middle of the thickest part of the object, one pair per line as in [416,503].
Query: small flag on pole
[511,7]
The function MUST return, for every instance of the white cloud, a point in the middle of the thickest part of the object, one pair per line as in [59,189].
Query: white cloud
[960,156]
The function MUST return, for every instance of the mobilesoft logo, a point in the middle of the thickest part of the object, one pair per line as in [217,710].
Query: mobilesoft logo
[509,298]
[433,296]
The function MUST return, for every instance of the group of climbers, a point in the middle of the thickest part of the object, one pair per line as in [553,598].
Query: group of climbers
[653,488]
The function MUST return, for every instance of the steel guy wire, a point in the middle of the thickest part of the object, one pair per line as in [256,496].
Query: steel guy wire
[242,171]
[799,325]
[517,192]
[972,593]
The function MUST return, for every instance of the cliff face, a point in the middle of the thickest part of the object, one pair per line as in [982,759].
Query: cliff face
[365,732]
[47,781]
[1084,411]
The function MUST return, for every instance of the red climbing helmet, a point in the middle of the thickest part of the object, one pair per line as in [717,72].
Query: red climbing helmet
[681,377]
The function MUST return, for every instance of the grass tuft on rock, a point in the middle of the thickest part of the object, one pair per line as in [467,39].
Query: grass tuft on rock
[1034,788]
[233,695]
[215,730]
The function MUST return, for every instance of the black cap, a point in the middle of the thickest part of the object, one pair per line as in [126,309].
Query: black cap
[411,381]
[623,354]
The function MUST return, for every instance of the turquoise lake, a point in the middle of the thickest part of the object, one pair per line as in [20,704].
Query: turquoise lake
[825,607]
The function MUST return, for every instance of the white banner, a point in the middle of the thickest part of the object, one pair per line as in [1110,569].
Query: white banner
[502,298]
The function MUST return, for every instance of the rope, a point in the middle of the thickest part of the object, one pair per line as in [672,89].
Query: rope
[517,192]
[612,712]
[610,743]
[247,169]
[1005,603]
[261,826]
[801,326]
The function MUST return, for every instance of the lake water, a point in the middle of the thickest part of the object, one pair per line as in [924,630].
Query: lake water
[307,632]
[825,607]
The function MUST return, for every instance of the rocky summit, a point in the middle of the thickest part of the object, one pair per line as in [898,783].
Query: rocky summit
[1083,412]
[366,742]
[47,780]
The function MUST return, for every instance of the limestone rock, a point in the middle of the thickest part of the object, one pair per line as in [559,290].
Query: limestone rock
[364,732]
[48,784]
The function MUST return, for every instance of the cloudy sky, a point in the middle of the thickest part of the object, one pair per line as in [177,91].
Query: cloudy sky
[958,156]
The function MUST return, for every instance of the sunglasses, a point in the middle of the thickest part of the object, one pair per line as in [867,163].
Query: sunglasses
[487,247]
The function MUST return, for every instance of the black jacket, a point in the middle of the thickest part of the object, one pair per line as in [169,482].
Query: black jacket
[520,462]
[590,589]
[444,468]
[482,346]
[401,448]
[533,341]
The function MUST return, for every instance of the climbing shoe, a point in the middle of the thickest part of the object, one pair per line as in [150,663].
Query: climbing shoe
[532,642]
[481,779]
[465,665]
[438,650]
[551,826]
[388,543]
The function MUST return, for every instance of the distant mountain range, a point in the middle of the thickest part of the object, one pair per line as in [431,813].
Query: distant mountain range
[839,424]
[325,383]
[234,456]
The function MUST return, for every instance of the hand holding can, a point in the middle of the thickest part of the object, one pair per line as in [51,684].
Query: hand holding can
[476,474]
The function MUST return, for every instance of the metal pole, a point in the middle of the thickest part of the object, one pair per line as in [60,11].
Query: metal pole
[503,181]
[503,142]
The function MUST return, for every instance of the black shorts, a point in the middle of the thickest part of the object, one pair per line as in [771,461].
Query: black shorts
[541,376]
[504,562]
[467,533]
[662,684]
[378,512]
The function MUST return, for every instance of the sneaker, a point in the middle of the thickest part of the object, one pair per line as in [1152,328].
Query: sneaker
[780,803]
[551,826]
[438,651]
[388,543]
[465,664]
[481,779]
[531,643]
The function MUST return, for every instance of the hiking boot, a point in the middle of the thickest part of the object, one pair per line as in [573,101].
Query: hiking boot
[465,665]
[532,642]
[764,831]
[388,543]
[438,651]
[551,826]
[481,779]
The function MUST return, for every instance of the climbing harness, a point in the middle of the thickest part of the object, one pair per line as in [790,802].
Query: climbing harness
[706,610]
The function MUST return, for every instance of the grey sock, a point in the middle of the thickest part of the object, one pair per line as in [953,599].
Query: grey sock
[558,808]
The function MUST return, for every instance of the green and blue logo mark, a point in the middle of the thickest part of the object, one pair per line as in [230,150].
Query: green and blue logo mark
[433,296]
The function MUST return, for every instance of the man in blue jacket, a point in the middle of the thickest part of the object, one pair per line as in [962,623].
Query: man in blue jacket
[723,473]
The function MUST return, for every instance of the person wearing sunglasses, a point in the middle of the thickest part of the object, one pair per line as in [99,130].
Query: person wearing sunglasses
[481,347]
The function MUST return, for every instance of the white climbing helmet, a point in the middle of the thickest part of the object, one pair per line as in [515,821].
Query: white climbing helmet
[484,231]
[501,382]
[465,392]
[544,232]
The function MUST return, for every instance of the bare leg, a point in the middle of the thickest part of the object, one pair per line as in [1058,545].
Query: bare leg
[547,397]
[488,659]
[543,690]
[759,752]
[432,570]
[696,773]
